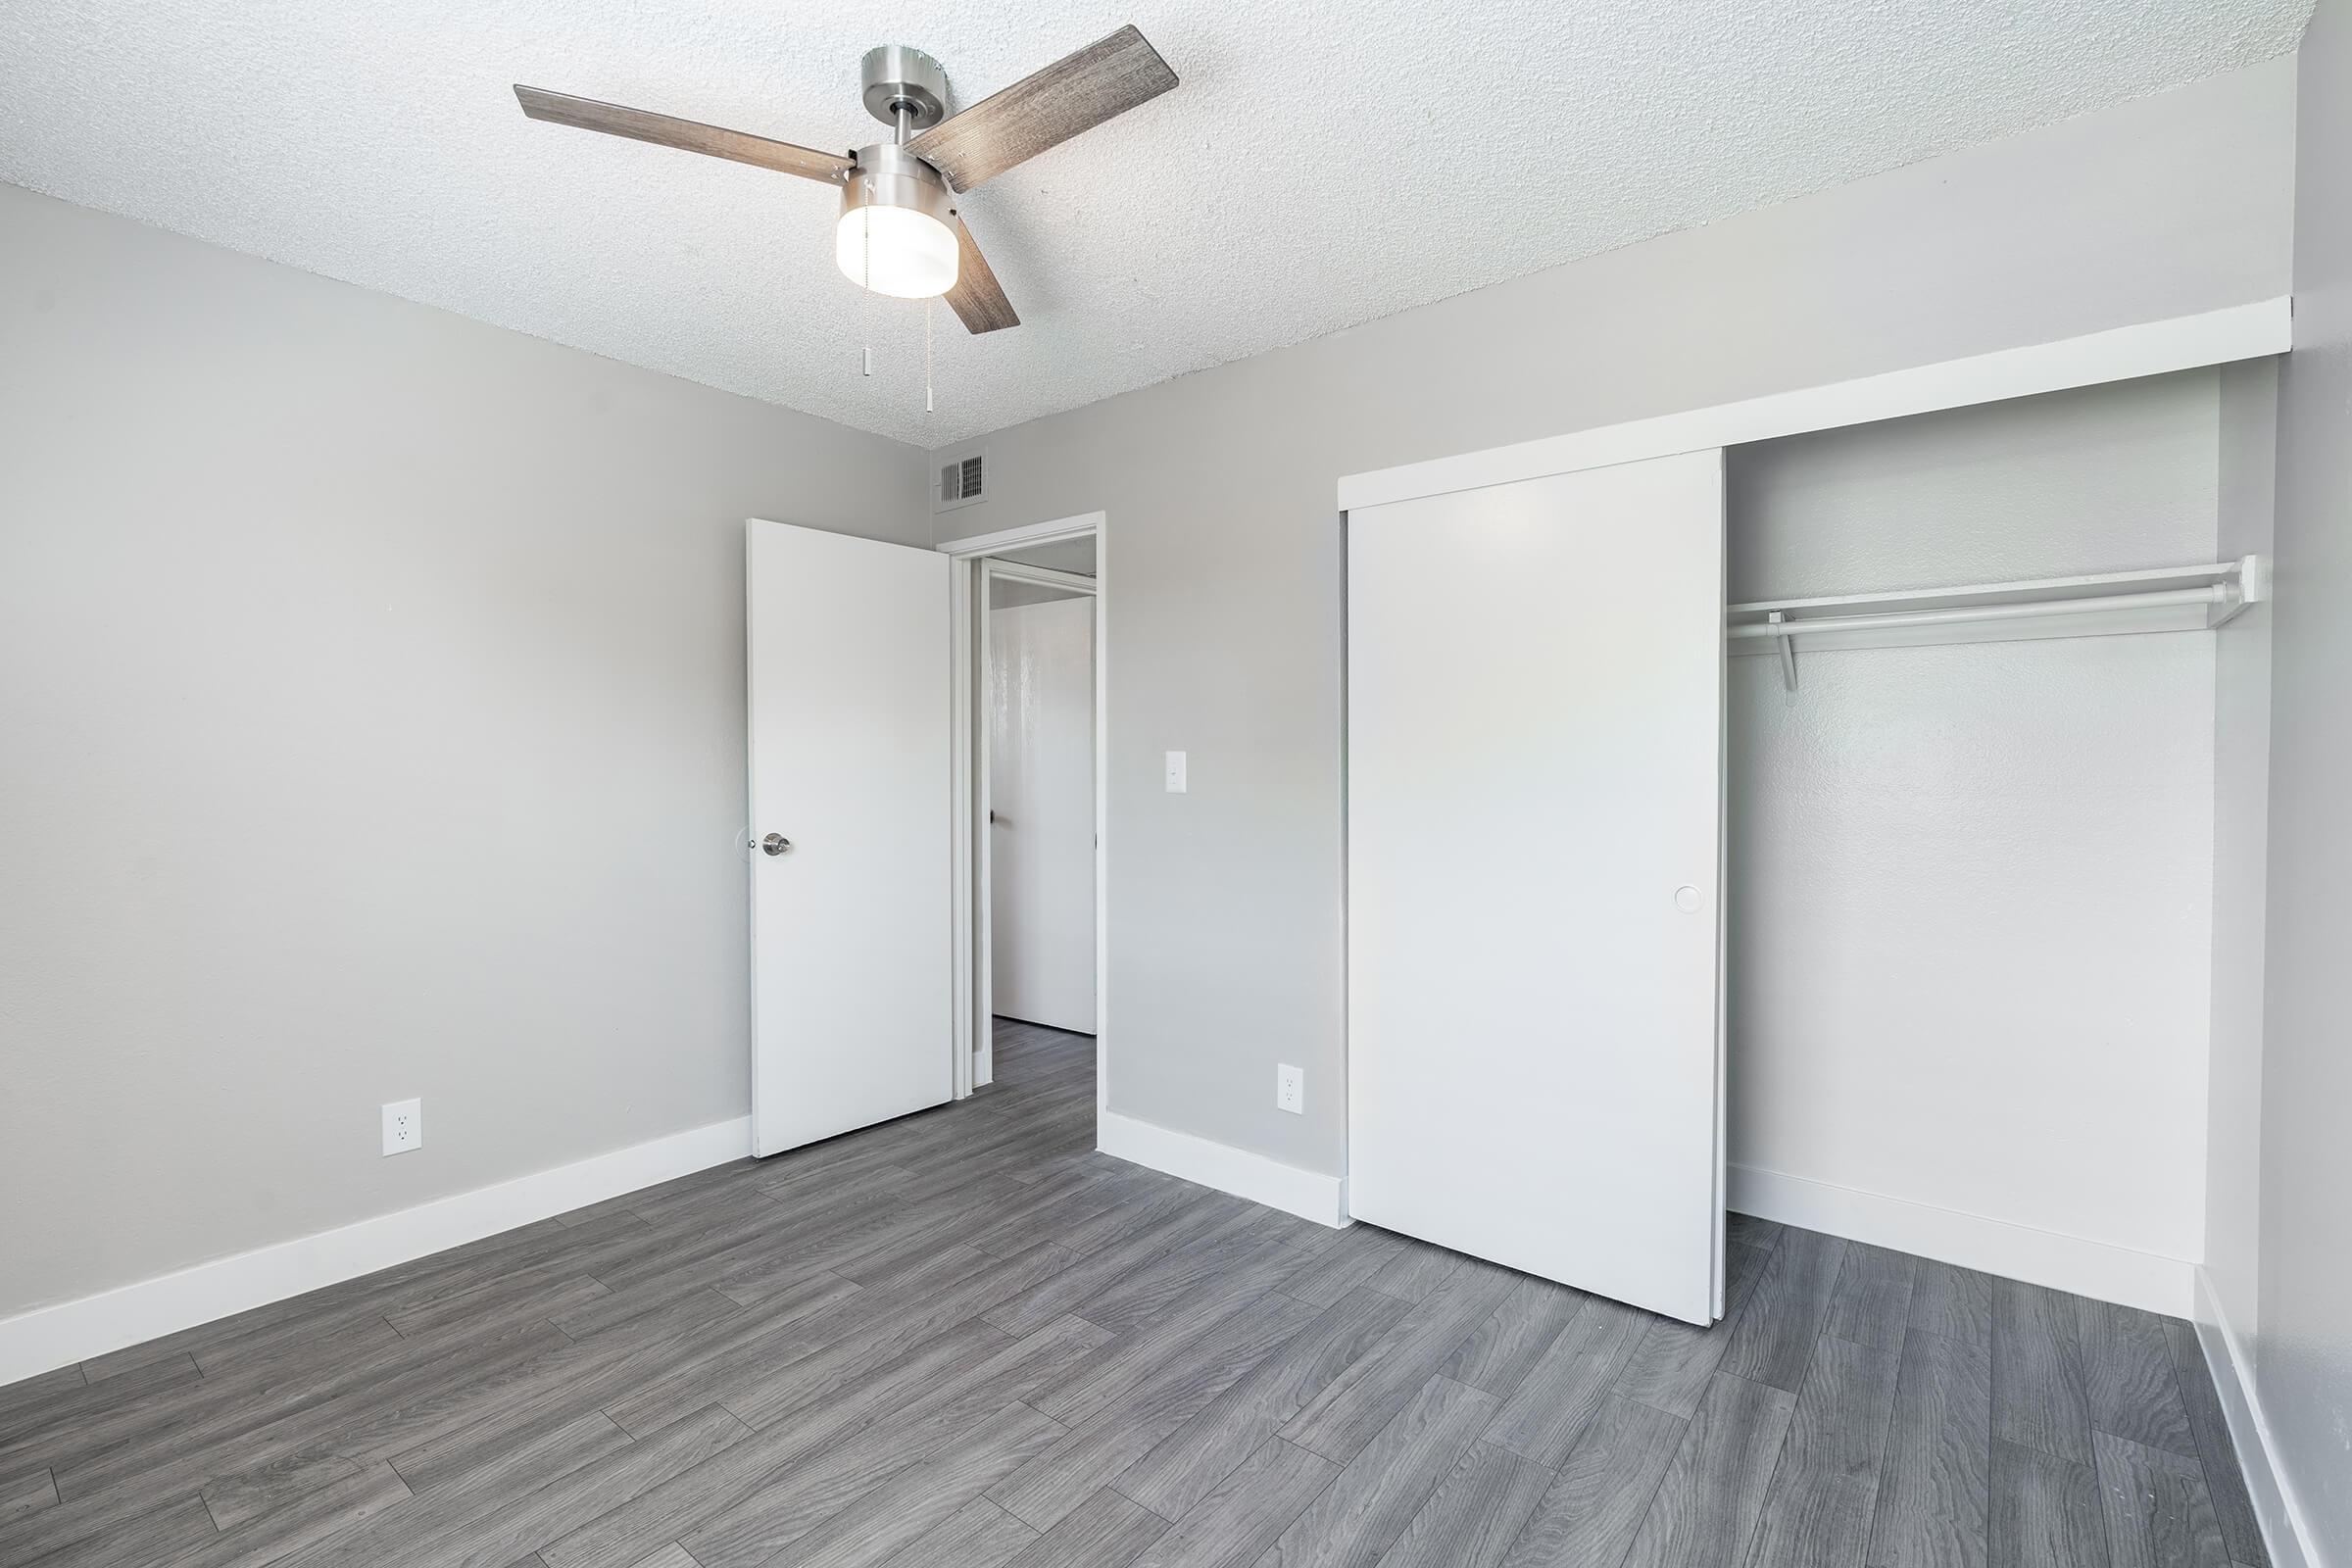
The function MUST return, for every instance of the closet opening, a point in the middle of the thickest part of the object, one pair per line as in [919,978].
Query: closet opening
[1888,792]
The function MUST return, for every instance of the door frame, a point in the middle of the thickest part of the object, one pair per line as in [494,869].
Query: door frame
[994,570]
[971,567]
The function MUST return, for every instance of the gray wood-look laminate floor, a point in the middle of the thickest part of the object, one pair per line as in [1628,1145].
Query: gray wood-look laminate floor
[965,1340]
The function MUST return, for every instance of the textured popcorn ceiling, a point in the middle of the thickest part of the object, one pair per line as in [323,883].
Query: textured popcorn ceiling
[1321,165]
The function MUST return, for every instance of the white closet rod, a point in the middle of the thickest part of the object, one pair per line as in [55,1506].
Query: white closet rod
[2167,599]
[2219,594]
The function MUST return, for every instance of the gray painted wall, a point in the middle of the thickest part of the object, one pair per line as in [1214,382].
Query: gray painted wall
[370,725]
[1223,546]
[2303,1352]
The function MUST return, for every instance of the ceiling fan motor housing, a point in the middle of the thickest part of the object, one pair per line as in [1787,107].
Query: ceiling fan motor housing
[900,80]
[888,175]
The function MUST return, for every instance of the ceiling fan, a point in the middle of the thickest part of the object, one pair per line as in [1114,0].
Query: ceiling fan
[900,232]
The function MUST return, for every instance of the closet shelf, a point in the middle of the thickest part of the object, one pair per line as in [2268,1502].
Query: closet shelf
[2173,599]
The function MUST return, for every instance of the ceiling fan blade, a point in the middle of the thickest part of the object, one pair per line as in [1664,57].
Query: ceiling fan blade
[618,119]
[1075,94]
[977,297]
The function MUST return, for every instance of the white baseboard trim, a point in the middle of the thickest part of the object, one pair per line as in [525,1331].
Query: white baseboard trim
[51,1336]
[2095,1269]
[2285,1531]
[1303,1192]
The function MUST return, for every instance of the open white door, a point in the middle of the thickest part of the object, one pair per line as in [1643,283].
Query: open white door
[1041,842]
[852,954]
[1534,797]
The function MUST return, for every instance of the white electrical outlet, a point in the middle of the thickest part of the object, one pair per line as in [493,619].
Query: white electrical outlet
[403,1126]
[1289,1089]
[1175,772]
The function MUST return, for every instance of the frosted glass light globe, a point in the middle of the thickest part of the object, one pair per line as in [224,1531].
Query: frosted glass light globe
[913,253]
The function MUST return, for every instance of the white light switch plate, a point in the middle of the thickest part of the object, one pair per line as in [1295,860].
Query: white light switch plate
[1289,1089]
[403,1126]
[1175,772]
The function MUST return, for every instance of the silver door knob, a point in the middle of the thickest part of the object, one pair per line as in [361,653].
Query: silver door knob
[776,844]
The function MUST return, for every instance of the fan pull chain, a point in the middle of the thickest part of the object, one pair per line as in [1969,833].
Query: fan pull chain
[866,289]
[928,406]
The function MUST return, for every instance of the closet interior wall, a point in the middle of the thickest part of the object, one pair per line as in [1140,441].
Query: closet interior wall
[1970,886]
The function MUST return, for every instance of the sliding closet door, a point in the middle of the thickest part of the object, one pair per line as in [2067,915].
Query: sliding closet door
[1535,806]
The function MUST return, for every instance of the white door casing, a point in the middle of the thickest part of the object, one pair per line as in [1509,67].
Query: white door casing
[1535,787]
[848,710]
[1041,750]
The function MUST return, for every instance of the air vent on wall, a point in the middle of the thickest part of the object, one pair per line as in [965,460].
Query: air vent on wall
[962,481]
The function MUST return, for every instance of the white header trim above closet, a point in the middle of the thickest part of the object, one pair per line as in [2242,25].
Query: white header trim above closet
[2122,354]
